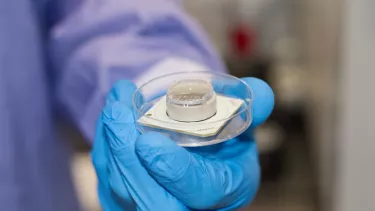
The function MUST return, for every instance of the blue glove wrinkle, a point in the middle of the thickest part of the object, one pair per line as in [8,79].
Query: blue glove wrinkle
[122,91]
[118,187]
[248,160]
[145,191]
[119,124]
[105,199]
[99,153]
[112,112]
[196,181]
[263,102]
[121,202]
[171,166]
[99,157]
[242,202]
[229,179]
[220,177]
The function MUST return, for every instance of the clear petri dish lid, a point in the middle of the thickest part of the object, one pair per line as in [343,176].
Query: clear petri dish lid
[208,107]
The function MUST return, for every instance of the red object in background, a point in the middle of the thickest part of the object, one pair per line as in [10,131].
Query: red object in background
[242,40]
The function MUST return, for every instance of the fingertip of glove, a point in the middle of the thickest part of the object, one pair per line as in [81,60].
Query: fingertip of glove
[264,99]
[259,86]
[117,112]
[122,90]
[122,85]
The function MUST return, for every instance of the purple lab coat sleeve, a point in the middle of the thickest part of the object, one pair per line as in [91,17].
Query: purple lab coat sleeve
[97,42]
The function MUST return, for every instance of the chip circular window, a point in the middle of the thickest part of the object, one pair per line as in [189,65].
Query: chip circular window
[191,101]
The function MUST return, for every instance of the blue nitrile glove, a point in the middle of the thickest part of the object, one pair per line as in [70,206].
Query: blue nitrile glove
[166,176]
[123,183]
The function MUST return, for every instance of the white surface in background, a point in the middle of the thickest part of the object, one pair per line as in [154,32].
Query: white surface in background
[289,83]
[85,181]
[355,186]
[269,137]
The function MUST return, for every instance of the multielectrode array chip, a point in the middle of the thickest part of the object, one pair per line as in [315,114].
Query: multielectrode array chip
[194,108]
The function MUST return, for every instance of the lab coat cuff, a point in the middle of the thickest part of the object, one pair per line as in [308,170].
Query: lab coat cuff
[168,66]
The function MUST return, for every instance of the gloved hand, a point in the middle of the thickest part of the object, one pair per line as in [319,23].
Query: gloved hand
[150,172]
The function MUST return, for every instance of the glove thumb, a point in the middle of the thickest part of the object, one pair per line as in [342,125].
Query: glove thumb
[165,159]
[199,182]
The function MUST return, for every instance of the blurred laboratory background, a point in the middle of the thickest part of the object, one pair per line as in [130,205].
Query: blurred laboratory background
[316,150]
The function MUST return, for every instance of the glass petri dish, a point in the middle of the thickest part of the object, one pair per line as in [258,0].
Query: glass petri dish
[204,87]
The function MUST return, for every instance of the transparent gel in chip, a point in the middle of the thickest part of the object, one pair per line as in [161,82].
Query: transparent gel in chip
[191,101]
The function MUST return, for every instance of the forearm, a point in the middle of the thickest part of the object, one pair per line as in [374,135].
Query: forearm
[100,43]
[96,45]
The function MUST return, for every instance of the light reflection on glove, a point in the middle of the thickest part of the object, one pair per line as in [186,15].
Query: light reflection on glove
[150,172]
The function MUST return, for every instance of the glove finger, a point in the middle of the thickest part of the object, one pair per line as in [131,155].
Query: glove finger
[99,156]
[121,131]
[230,88]
[122,91]
[99,152]
[263,96]
[263,102]
[200,183]
[120,190]
[262,106]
